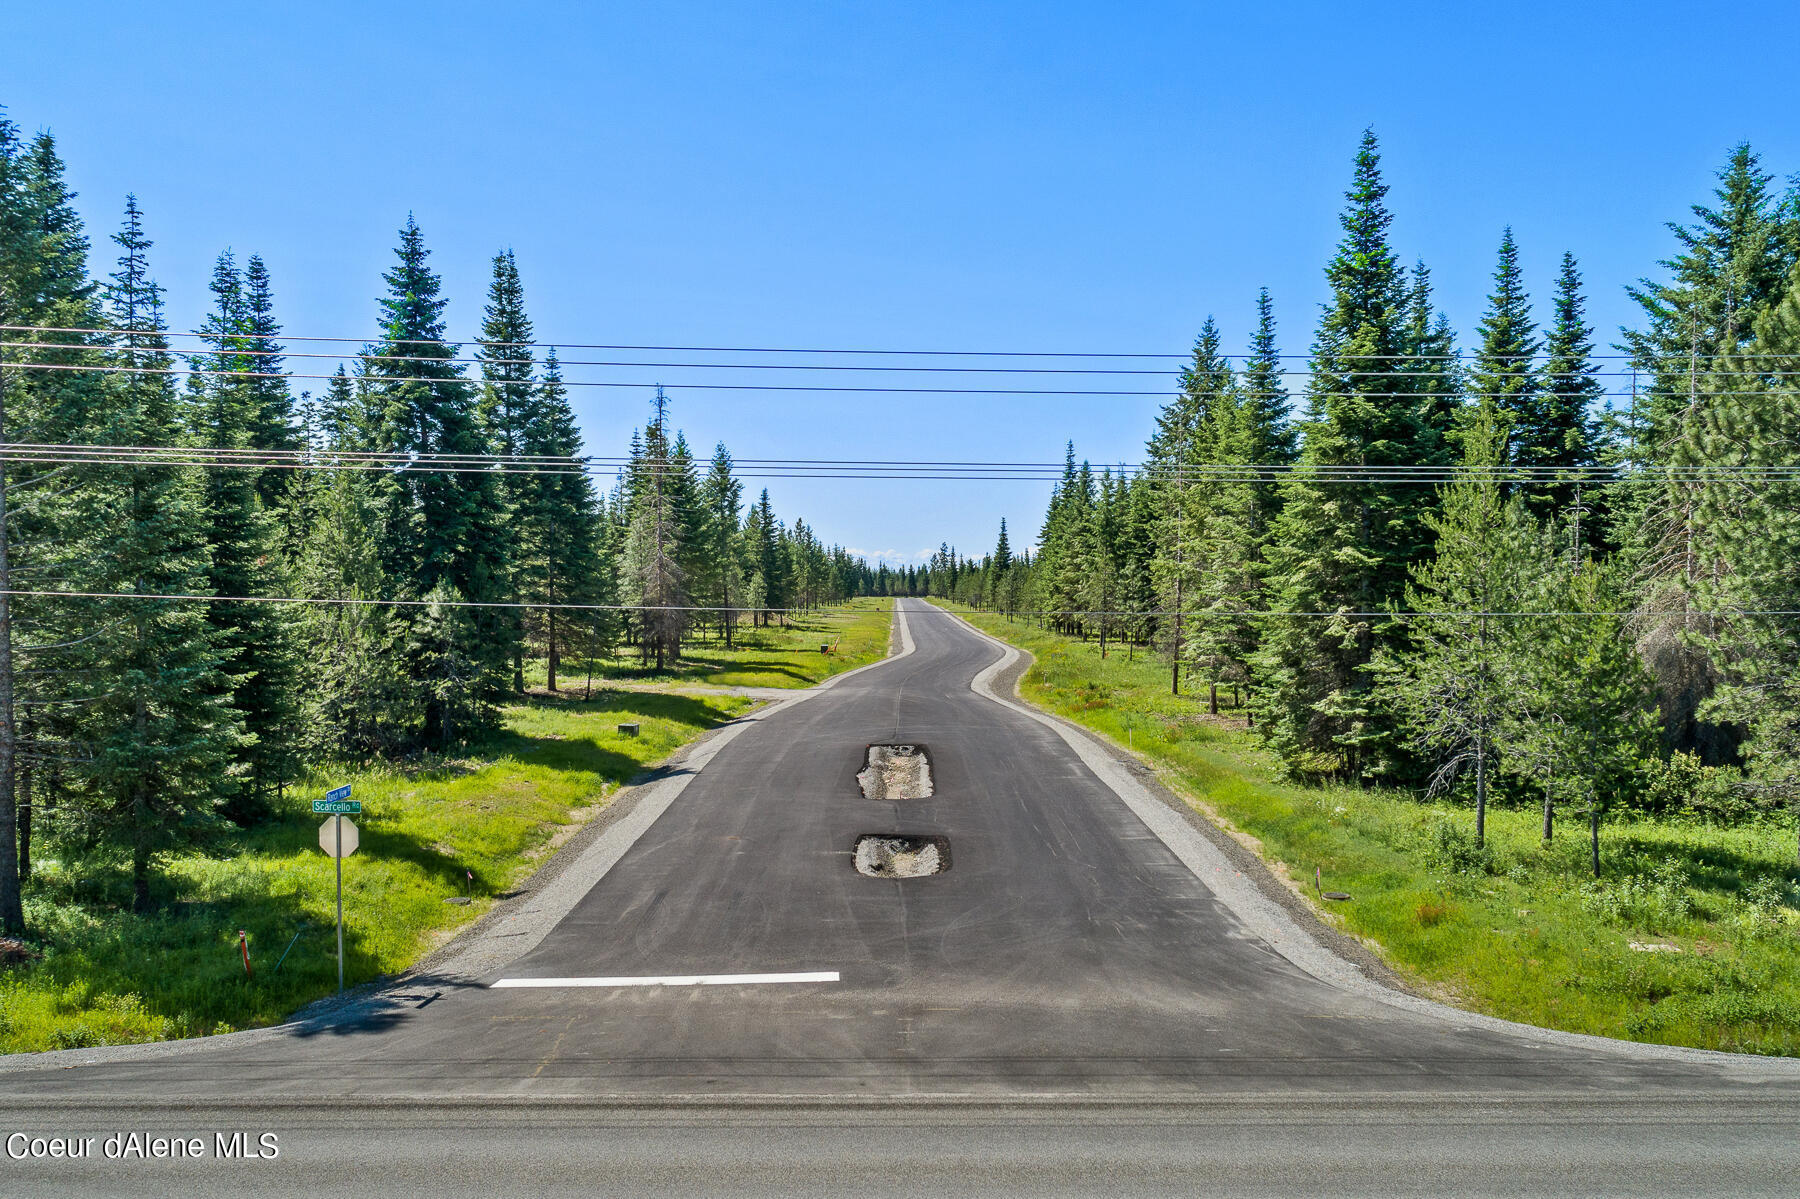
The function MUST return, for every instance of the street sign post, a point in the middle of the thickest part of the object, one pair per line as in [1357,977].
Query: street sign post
[338,837]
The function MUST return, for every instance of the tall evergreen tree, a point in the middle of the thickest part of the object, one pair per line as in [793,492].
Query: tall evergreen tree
[1505,372]
[1344,545]
[1432,368]
[1229,540]
[1453,677]
[1750,434]
[160,733]
[1272,438]
[559,528]
[272,402]
[439,533]
[1725,277]
[769,568]
[43,283]
[1568,430]
[722,496]
[228,412]
[507,409]
[654,578]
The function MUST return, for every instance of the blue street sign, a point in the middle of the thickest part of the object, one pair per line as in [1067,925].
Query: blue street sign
[339,792]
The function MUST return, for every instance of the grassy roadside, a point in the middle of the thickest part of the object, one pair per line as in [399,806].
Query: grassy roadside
[1691,937]
[777,655]
[105,976]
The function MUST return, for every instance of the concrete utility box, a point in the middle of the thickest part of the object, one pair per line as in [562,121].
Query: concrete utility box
[628,730]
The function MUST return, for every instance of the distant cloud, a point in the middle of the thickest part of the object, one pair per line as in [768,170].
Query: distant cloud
[890,556]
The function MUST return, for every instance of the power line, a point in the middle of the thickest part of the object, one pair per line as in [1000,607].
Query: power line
[218,350]
[902,469]
[1159,393]
[1460,356]
[459,381]
[1202,615]
[349,601]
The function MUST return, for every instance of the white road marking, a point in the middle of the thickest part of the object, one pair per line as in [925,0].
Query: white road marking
[674,980]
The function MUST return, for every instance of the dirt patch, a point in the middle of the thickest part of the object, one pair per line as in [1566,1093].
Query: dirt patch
[896,772]
[563,833]
[15,952]
[883,856]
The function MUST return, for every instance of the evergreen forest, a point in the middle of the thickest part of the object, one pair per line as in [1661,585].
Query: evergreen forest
[433,507]
[1538,569]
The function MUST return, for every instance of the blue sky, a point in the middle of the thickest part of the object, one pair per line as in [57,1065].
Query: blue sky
[961,176]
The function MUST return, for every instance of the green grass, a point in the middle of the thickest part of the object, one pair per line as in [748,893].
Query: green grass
[108,977]
[1521,931]
[777,655]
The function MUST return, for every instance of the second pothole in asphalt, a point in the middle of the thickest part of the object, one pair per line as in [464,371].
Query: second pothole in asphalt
[896,772]
[881,855]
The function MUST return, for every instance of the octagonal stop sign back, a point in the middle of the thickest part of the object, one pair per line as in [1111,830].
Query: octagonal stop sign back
[328,836]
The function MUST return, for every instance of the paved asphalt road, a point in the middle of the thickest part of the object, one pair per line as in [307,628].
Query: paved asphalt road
[1116,1025]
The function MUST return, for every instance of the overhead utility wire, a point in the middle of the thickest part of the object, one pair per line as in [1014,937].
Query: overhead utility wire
[360,602]
[1455,356]
[905,472]
[1159,393]
[217,351]
[434,360]
[416,463]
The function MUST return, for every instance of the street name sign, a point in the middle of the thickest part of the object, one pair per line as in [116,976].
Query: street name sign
[337,807]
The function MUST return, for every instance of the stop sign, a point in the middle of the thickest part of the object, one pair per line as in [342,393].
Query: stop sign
[328,836]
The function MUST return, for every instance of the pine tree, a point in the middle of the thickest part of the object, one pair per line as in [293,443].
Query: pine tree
[1344,545]
[651,569]
[1005,585]
[355,703]
[1505,371]
[160,734]
[227,412]
[559,528]
[769,567]
[1097,559]
[439,533]
[1177,450]
[1228,580]
[1454,676]
[43,283]
[507,409]
[1433,369]
[1586,728]
[722,497]
[1272,439]
[1751,432]
[1726,276]
[272,402]
[1569,391]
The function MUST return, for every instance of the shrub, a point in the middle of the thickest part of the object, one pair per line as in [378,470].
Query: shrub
[74,1036]
[1685,784]
[1653,903]
[1450,848]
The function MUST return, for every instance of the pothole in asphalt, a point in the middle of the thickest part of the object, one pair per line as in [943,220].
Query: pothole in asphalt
[880,855]
[896,772]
